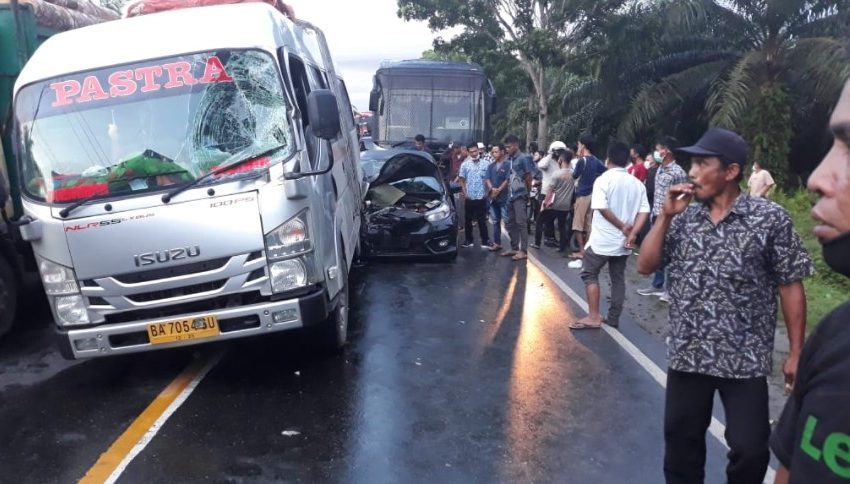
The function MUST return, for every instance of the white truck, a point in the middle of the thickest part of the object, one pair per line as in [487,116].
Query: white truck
[189,176]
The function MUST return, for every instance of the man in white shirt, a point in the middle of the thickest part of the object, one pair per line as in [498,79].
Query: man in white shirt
[760,183]
[620,209]
[548,165]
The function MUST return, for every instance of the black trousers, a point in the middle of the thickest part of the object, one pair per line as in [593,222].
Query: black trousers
[476,210]
[687,415]
[550,216]
[548,224]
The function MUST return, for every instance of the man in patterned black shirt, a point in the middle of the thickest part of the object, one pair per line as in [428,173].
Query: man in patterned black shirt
[727,258]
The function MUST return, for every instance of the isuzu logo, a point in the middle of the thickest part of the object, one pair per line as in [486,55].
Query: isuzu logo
[163,256]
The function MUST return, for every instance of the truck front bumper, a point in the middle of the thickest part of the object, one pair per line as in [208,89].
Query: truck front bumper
[236,322]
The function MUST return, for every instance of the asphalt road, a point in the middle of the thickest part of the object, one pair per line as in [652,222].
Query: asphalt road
[461,372]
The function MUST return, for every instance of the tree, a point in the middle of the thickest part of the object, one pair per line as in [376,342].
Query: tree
[537,34]
[756,66]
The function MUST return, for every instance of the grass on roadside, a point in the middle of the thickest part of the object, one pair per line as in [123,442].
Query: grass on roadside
[826,289]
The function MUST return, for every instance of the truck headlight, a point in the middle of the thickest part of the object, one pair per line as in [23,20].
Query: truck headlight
[71,310]
[290,238]
[288,275]
[438,213]
[58,280]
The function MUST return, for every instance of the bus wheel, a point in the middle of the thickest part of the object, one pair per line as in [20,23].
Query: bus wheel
[8,297]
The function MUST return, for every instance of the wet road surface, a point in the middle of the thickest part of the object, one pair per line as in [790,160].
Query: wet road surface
[460,372]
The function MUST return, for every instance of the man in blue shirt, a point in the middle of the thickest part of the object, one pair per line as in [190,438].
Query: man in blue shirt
[497,186]
[472,175]
[522,170]
[588,168]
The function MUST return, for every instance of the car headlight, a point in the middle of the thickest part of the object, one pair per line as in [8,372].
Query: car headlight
[438,213]
[58,280]
[290,238]
[288,275]
[71,310]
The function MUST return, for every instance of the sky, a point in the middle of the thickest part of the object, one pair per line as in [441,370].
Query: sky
[363,34]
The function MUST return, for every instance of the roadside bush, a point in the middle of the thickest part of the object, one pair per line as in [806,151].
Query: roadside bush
[826,289]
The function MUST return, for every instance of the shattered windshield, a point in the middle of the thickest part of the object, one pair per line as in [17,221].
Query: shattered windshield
[142,127]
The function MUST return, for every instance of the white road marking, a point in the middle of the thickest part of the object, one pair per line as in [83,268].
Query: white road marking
[154,428]
[716,428]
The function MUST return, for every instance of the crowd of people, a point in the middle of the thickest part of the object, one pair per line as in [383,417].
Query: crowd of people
[725,259]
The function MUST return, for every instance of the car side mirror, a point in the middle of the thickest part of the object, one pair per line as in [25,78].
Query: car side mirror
[323,113]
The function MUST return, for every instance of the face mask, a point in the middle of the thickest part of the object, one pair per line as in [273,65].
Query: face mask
[658,157]
[836,253]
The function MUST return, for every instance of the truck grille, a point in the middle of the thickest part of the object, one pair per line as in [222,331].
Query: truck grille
[180,291]
[177,285]
[176,271]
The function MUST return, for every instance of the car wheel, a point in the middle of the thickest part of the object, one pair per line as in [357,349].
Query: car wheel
[333,333]
[8,297]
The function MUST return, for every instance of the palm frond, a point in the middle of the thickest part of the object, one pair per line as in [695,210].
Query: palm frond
[671,63]
[730,97]
[833,25]
[657,98]
[709,16]
[821,67]
[577,96]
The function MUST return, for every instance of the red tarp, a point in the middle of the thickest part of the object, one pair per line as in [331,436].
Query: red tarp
[144,7]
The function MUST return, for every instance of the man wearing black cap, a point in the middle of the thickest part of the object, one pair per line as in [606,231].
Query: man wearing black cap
[727,259]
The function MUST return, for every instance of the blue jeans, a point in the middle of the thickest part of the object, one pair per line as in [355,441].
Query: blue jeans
[658,278]
[498,212]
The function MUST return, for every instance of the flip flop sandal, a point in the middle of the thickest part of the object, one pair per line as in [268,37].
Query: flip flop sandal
[519,257]
[509,253]
[580,325]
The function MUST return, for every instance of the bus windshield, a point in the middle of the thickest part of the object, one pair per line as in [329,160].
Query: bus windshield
[141,127]
[441,115]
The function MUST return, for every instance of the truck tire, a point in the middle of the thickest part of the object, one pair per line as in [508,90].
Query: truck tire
[333,332]
[8,296]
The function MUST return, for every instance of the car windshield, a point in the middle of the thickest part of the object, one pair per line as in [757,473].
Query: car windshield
[423,185]
[142,127]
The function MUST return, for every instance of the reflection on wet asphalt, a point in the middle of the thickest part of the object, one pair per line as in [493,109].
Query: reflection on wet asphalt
[460,372]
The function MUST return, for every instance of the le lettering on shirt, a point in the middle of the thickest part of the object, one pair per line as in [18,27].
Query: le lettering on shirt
[812,438]
[625,196]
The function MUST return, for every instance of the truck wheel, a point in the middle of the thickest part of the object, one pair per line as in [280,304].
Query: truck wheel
[333,333]
[8,297]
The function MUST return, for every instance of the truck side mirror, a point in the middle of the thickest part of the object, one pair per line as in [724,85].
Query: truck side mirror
[373,101]
[323,113]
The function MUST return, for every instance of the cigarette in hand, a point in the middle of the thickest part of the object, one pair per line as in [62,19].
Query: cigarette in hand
[682,196]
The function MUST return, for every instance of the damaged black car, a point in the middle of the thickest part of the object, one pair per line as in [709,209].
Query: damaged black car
[409,209]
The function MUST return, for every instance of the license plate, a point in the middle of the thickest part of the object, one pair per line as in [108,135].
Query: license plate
[183,329]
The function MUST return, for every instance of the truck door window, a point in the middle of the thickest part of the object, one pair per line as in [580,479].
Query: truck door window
[302,85]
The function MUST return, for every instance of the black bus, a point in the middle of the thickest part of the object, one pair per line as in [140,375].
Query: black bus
[444,101]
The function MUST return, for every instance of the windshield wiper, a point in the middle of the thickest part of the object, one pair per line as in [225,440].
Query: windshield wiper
[228,165]
[70,208]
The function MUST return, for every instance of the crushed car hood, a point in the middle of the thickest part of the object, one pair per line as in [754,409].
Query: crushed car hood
[403,166]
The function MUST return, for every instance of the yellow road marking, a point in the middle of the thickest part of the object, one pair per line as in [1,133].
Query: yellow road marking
[121,449]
